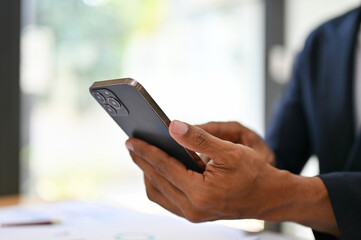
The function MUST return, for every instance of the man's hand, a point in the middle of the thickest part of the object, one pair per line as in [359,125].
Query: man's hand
[237,183]
[239,134]
[226,188]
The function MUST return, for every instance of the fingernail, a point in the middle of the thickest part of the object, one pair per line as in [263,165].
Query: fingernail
[179,128]
[129,146]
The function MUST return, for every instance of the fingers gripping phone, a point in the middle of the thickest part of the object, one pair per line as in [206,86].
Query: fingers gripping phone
[134,110]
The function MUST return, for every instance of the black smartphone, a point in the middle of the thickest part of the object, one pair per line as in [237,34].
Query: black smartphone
[135,111]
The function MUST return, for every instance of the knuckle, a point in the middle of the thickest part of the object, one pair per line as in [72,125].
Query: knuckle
[235,153]
[213,124]
[150,194]
[199,138]
[239,154]
[239,151]
[160,167]
[252,135]
[141,153]
[235,125]
[192,216]
[149,189]
[153,186]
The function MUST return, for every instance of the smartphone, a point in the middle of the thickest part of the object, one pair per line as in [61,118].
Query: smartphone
[135,111]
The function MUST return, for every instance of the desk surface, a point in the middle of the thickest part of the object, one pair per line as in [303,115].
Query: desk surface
[17,200]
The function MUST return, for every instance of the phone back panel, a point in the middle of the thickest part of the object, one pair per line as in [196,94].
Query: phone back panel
[140,117]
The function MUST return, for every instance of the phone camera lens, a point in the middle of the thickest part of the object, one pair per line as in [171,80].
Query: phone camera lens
[110,110]
[99,97]
[114,103]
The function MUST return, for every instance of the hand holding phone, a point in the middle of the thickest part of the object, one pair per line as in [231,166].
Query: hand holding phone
[135,111]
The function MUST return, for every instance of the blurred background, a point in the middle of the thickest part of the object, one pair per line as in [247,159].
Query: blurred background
[201,60]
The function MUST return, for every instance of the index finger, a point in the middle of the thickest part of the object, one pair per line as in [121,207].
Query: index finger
[230,131]
[170,168]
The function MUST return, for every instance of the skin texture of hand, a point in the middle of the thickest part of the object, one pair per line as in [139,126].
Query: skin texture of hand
[237,182]
[239,134]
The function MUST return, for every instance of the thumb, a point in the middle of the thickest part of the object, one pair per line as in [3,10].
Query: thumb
[196,139]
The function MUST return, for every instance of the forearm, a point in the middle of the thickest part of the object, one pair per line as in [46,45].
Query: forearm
[299,199]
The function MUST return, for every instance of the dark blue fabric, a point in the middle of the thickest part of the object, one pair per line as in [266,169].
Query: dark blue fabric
[316,117]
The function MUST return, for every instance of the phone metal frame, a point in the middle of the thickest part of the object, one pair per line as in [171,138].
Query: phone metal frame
[158,111]
[141,90]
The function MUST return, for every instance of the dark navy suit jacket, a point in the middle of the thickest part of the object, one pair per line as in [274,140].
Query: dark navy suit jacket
[316,117]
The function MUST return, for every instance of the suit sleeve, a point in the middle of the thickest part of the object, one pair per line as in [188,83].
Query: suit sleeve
[344,189]
[287,134]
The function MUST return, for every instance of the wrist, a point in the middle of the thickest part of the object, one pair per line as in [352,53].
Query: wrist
[279,195]
[303,200]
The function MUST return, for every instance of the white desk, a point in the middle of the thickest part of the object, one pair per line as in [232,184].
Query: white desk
[96,221]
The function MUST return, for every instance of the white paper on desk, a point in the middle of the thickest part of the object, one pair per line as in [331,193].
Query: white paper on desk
[91,221]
